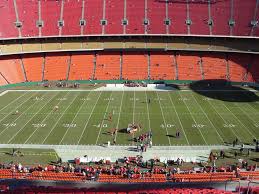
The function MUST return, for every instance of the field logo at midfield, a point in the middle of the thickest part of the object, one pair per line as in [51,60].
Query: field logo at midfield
[167,125]
[230,125]
[9,124]
[198,125]
[38,99]
[183,99]
[99,125]
[84,99]
[69,125]
[37,125]
[108,99]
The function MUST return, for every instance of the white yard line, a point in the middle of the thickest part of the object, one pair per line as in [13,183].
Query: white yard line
[118,122]
[88,119]
[239,121]
[194,120]
[164,119]
[21,113]
[47,116]
[59,119]
[208,118]
[82,105]
[12,103]
[103,119]
[4,92]
[250,117]
[222,118]
[148,116]
[29,120]
[179,119]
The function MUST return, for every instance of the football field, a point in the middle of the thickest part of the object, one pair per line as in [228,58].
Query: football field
[82,117]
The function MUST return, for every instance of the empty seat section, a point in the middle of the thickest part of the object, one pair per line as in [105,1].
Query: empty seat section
[238,67]
[135,16]
[220,14]
[28,15]
[107,66]
[177,12]
[156,13]
[50,12]
[93,14]
[188,67]
[33,67]
[11,69]
[254,68]
[114,15]
[71,15]
[243,15]
[162,66]
[56,66]
[81,67]
[135,66]
[7,15]
[214,66]
[199,16]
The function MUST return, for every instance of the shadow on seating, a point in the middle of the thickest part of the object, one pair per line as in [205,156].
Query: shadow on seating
[223,90]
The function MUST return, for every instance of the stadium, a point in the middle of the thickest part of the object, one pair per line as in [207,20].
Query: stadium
[129,96]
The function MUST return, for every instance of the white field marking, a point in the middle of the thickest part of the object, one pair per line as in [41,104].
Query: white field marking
[179,119]
[72,101]
[148,116]
[164,119]
[28,121]
[88,119]
[194,120]
[82,105]
[239,121]
[245,112]
[12,103]
[20,114]
[3,93]
[47,116]
[118,122]
[222,118]
[103,120]
[208,118]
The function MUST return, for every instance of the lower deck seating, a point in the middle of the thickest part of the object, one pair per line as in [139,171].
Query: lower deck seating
[129,66]
[33,67]
[107,66]
[56,66]
[254,68]
[238,67]
[210,62]
[162,66]
[11,69]
[135,66]
[81,67]
[188,67]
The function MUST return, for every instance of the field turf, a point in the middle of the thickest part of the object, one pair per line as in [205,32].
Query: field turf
[82,117]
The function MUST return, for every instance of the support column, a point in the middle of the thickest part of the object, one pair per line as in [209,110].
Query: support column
[254,18]
[61,18]
[17,19]
[43,66]
[68,66]
[23,69]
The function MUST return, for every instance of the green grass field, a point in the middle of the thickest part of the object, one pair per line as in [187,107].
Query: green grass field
[82,117]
